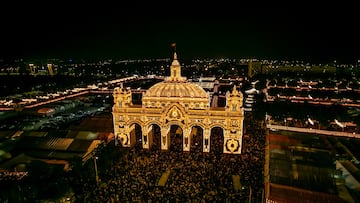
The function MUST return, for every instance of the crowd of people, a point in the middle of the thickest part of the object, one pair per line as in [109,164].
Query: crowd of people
[194,176]
[12,175]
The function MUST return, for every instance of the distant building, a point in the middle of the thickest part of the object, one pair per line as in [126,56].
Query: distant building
[299,168]
[50,149]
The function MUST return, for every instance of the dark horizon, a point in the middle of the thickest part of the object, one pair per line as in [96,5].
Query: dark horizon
[310,35]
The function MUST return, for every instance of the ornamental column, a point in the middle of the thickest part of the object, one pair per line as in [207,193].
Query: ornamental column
[206,141]
[165,138]
[186,139]
[147,136]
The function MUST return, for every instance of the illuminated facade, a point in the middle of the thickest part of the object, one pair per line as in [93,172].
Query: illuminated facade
[177,102]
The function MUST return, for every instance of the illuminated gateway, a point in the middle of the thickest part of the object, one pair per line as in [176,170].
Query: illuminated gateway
[177,102]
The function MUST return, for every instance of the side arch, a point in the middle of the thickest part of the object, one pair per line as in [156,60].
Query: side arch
[130,133]
[179,123]
[220,125]
[152,136]
[196,137]
[203,126]
[176,137]
[217,139]
[153,122]
[132,122]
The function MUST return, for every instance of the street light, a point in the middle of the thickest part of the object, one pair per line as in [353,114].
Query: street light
[96,170]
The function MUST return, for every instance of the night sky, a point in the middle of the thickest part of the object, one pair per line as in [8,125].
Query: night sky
[111,31]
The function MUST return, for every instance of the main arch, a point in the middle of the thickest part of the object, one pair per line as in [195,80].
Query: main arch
[175,101]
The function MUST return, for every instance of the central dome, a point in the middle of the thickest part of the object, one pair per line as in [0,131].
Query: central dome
[175,89]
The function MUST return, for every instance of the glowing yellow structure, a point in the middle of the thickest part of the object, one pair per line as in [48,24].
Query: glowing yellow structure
[50,69]
[175,101]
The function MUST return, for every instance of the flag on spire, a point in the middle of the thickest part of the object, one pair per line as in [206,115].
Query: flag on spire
[174,46]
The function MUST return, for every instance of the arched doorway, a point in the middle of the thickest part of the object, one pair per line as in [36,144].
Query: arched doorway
[176,138]
[196,136]
[217,140]
[155,135]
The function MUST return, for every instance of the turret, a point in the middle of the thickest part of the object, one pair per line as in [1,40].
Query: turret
[122,97]
[234,100]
